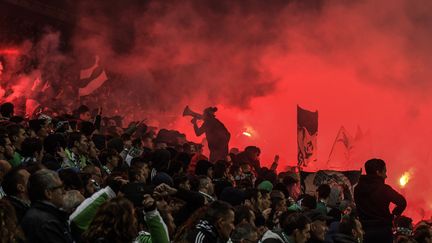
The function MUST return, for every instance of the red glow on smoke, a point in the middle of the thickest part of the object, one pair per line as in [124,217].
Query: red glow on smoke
[9,51]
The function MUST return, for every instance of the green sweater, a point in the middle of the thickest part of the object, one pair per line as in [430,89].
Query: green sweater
[16,160]
[158,230]
[84,214]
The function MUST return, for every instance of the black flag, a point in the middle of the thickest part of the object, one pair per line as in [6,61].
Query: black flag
[307,132]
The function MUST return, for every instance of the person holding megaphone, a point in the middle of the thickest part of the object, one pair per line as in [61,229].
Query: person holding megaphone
[216,133]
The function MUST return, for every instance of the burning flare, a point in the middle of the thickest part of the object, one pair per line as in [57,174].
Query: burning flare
[247,134]
[404,179]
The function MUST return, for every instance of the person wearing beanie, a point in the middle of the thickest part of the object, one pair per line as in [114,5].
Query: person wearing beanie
[266,186]
[204,168]
[162,177]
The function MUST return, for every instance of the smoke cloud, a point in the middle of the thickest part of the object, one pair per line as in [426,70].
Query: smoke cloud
[360,63]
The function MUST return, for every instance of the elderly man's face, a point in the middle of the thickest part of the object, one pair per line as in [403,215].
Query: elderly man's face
[56,192]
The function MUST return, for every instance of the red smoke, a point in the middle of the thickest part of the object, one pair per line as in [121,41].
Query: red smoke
[359,63]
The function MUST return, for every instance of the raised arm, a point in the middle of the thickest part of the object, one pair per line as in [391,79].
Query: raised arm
[198,130]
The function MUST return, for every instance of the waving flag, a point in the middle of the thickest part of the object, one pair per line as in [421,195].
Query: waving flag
[341,153]
[95,77]
[307,132]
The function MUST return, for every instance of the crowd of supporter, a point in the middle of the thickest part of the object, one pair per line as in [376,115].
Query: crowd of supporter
[85,178]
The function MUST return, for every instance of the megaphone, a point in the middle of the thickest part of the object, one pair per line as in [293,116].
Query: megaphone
[188,112]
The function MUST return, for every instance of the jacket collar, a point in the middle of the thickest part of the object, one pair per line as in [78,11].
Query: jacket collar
[50,208]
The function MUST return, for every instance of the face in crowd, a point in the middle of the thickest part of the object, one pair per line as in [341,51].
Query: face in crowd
[225,225]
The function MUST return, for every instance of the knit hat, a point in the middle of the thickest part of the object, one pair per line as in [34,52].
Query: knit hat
[265,185]
[162,177]
[202,167]
[316,215]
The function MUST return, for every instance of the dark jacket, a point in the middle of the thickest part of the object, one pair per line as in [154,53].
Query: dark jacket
[193,200]
[373,197]
[342,238]
[204,232]
[20,207]
[313,240]
[45,223]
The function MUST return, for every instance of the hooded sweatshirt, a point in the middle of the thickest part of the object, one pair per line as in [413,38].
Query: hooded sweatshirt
[373,197]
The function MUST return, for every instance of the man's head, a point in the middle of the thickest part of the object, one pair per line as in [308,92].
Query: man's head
[94,171]
[16,133]
[308,202]
[78,141]
[87,128]
[221,216]
[7,110]
[376,167]
[254,197]
[45,185]
[111,157]
[244,214]
[6,148]
[204,167]
[205,185]
[136,175]
[296,225]
[209,113]
[323,191]
[319,224]
[253,152]
[182,181]
[40,127]
[351,226]
[84,113]
[32,147]
[141,164]
[265,199]
[147,142]
[244,233]
[15,182]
